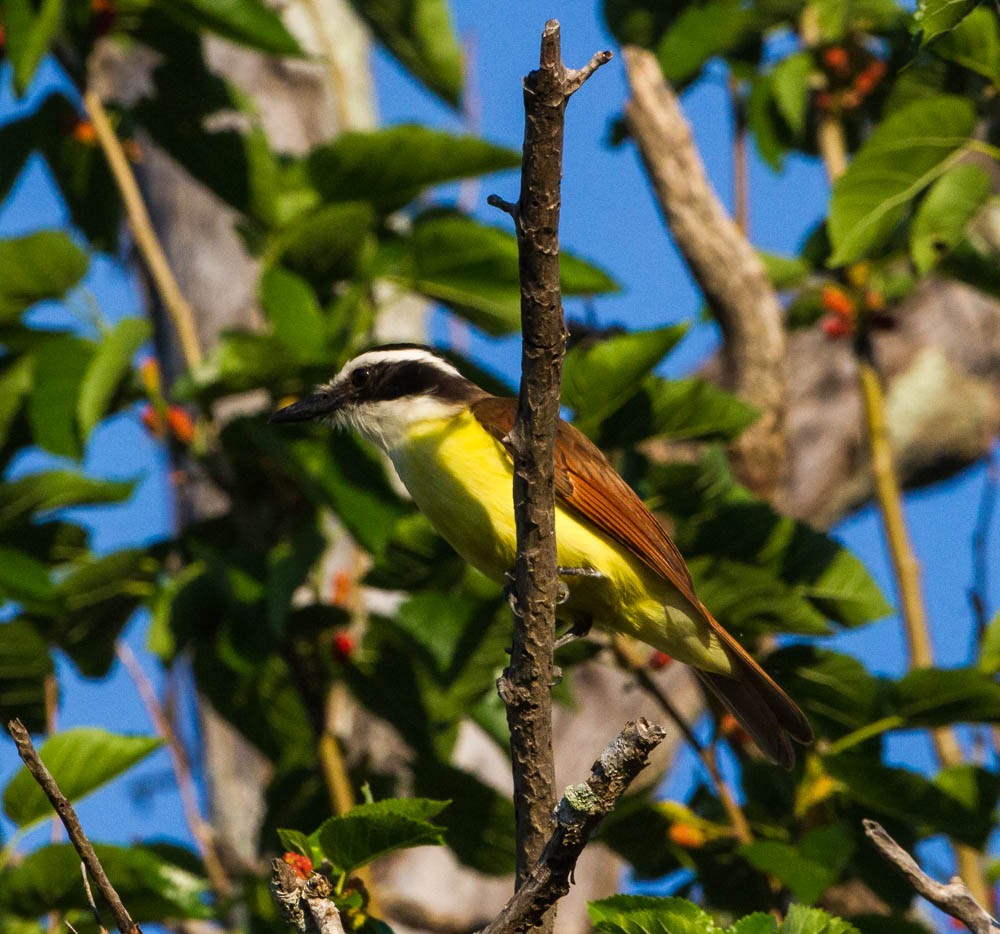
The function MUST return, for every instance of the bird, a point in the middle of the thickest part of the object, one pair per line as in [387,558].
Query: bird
[447,439]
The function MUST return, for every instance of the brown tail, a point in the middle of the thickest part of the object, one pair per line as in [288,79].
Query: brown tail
[764,710]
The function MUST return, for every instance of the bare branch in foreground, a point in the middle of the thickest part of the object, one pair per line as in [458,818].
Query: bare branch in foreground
[26,750]
[526,685]
[305,902]
[578,815]
[953,899]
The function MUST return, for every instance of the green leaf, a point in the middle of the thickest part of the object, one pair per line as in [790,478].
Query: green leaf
[808,868]
[931,697]
[110,364]
[951,203]
[24,500]
[420,34]
[369,831]
[908,151]
[757,923]
[154,887]
[60,365]
[29,35]
[16,382]
[989,648]
[785,271]
[701,32]
[765,122]
[974,44]
[81,760]
[644,914]
[790,87]
[389,166]
[936,17]
[24,665]
[294,312]
[599,376]
[473,268]
[39,266]
[688,409]
[802,920]
[248,22]
[24,578]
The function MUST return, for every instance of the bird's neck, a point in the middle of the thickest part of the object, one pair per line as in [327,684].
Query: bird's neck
[389,424]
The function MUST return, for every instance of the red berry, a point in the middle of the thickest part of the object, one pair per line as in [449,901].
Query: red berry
[837,60]
[150,419]
[870,77]
[343,646]
[834,326]
[659,660]
[838,302]
[301,864]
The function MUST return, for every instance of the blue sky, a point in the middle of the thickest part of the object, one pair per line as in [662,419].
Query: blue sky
[609,217]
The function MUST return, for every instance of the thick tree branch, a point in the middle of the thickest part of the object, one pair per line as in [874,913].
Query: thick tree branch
[953,899]
[727,269]
[526,685]
[28,754]
[578,815]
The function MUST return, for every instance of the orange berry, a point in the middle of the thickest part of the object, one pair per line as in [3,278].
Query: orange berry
[837,60]
[343,646]
[835,326]
[838,302]
[301,864]
[659,660]
[730,727]
[341,588]
[84,132]
[870,77]
[181,424]
[684,835]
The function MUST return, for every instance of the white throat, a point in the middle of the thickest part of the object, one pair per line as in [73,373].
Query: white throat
[389,423]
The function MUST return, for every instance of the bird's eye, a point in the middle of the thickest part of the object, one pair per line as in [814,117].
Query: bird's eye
[360,376]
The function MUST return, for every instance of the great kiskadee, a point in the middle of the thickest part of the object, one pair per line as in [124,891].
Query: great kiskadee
[447,439]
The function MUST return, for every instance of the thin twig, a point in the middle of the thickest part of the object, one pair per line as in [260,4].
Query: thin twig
[626,658]
[152,253]
[201,831]
[94,910]
[953,899]
[741,188]
[28,754]
[578,815]
[525,685]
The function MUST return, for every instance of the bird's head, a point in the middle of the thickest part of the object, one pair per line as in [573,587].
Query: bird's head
[382,393]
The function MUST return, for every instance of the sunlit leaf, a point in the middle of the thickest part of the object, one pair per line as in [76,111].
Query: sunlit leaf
[38,266]
[107,370]
[940,222]
[248,22]
[936,17]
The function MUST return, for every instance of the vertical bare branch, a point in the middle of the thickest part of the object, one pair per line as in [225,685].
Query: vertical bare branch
[526,685]
[725,266]
[28,754]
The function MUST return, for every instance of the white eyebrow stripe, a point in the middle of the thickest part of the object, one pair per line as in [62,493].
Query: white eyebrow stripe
[401,355]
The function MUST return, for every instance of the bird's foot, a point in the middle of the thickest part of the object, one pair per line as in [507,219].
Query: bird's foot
[578,630]
[592,573]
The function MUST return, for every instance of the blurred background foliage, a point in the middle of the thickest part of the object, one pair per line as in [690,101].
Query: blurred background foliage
[240,593]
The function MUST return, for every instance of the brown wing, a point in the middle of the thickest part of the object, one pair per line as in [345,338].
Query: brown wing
[587,484]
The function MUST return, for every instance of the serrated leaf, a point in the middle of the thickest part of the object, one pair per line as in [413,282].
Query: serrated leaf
[369,831]
[936,17]
[28,498]
[905,154]
[644,914]
[154,888]
[107,369]
[39,266]
[599,376]
[940,222]
[389,166]
[24,665]
[420,34]
[803,920]
[758,923]
[81,760]
[473,268]
[247,22]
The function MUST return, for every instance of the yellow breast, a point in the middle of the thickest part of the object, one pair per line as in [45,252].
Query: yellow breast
[462,480]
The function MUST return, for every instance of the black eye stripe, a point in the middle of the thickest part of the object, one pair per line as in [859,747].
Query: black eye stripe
[383,382]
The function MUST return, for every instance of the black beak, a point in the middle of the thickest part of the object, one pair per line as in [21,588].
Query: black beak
[318,405]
